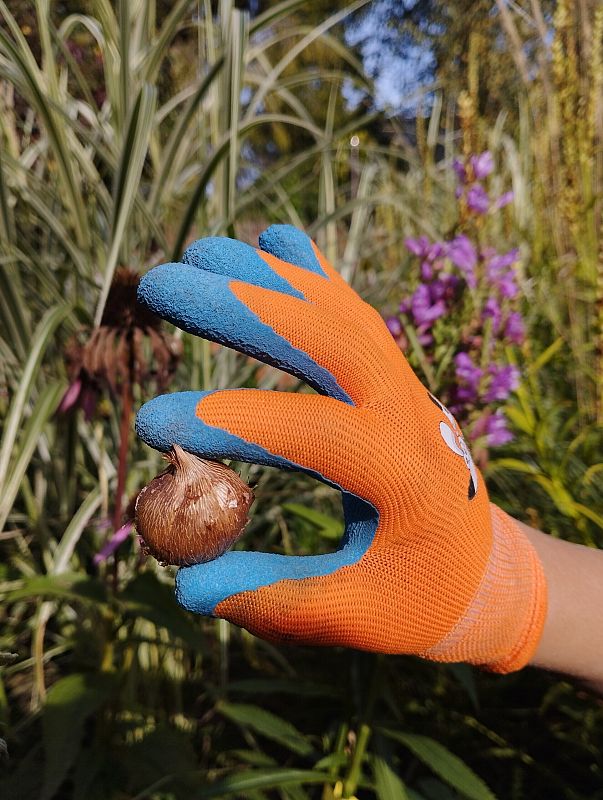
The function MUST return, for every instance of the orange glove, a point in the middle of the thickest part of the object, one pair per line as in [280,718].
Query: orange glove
[428,565]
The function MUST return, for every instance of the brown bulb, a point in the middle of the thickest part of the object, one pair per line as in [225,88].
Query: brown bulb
[192,512]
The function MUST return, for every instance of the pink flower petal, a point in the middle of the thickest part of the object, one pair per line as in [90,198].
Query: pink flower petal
[111,545]
[69,399]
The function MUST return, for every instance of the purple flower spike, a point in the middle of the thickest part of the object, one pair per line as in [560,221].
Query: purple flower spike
[496,429]
[111,545]
[482,165]
[514,328]
[394,326]
[503,381]
[477,199]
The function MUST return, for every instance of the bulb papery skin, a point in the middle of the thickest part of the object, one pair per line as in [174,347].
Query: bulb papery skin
[193,512]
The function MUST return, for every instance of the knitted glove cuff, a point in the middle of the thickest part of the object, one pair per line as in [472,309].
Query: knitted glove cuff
[503,623]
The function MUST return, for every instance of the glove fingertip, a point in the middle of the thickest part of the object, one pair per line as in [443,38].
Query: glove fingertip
[290,244]
[235,259]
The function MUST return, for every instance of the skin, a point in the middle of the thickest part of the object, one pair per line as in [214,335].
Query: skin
[572,640]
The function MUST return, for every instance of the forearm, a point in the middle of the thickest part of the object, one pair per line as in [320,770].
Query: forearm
[572,640]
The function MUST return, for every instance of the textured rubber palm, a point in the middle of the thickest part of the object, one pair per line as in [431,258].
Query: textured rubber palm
[433,569]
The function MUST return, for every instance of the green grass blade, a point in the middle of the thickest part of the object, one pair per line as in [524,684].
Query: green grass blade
[74,530]
[159,48]
[271,79]
[178,137]
[41,338]
[214,162]
[12,477]
[388,786]
[267,724]
[240,783]
[274,13]
[445,764]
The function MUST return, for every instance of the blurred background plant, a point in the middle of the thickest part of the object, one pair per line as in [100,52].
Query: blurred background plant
[448,161]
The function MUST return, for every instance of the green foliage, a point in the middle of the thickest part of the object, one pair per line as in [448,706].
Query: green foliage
[443,763]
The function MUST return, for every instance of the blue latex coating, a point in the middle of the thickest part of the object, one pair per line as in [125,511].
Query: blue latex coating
[202,587]
[236,260]
[202,303]
[292,245]
[170,419]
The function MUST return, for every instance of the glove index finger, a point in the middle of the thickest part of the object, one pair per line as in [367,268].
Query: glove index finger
[204,303]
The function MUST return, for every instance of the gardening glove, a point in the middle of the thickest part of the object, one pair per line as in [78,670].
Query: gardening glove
[427,565]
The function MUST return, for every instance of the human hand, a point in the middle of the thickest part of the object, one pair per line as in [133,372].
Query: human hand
[427,565]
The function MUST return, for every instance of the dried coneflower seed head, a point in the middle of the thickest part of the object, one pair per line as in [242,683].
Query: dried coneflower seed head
[193,511]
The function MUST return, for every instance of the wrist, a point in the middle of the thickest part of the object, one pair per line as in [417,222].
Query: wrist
[572,638]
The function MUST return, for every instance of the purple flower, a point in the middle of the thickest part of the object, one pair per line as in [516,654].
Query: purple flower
[503,381]
[497,262]
[501,274]
[394,326]
[477,199]
[111,545]
[463,255]
[424,312]
[437,290]
[422,248]
[70,398]
[443,288]
[462,252]
[508,287]
[436,250]
[496,429]
[504,200]
[418,246]
[514,328]
[405,305]
[492,311]
[81,393]
[482,165]
[426,271]
[460,170]
[469,375]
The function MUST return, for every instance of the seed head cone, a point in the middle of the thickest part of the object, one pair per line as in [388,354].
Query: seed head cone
[193,512]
